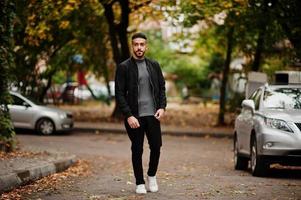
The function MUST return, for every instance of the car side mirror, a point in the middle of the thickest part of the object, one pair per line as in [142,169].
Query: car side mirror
[248,103]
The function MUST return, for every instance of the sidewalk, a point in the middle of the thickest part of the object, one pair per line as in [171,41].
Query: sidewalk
[24,167]
[217,132]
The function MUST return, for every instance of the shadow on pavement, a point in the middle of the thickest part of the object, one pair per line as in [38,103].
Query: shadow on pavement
[288,172]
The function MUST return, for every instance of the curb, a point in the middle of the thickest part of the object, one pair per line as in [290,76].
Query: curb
[164,132]
[23,176]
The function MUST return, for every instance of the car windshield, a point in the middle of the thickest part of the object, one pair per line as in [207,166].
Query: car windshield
[282,98]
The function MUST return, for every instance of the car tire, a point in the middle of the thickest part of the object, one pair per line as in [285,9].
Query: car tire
[259,167]
[240,163]
[45,126]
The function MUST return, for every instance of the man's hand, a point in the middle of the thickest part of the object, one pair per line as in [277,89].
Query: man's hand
[133,122]
[159,114]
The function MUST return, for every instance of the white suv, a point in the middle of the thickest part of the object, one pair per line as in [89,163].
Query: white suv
[268,129]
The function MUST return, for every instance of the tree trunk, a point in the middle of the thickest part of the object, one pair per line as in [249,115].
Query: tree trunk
[259,49]
[122,29]
[222,108]
[91,91]
[45,89]
[113,33]
[43,93]
[118,37]
[7,15]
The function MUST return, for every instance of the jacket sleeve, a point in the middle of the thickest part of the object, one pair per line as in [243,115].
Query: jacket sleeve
[162,90]
[121,90]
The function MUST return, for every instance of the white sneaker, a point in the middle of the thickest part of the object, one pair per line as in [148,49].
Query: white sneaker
[152,184]
[140,189]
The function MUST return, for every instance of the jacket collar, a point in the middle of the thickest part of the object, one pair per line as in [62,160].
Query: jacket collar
[147,61]
[133,59]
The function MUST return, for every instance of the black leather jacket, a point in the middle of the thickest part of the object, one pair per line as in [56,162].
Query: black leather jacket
[126,86]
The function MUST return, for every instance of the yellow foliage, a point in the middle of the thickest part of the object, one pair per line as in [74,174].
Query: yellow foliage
[71,5]
[68,8]
[64,24]
[75,2]
[32,17]
[228,5]
[47,15]
[55,14]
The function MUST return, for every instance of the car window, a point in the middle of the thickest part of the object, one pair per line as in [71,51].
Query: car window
[253,95]
[33,100]
[256,98]
[282,98]
[17,101]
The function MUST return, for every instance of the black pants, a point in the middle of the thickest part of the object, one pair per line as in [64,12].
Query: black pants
[151,126]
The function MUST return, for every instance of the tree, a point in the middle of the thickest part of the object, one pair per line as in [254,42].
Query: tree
[282,20]
[54,31]
[226,70]
[287,13]
[264,17]
[42,29]
[7,15]
[226,15]
[260,32]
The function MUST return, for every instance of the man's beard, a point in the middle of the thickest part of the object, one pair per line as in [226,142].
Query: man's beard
[136,54]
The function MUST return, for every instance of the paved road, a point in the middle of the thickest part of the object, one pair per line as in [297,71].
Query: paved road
[190,168]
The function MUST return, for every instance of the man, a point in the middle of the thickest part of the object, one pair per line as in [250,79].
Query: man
[140,94]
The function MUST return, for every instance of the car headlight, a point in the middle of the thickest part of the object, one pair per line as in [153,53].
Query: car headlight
[278,124]
[63,115]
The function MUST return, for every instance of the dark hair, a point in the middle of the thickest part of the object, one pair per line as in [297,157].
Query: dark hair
[139,35]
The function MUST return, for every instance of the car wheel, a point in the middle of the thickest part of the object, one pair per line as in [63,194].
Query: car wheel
[240,163]
[259,167]
[45,126]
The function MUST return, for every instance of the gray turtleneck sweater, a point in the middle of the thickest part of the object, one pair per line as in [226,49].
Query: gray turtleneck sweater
[146,105]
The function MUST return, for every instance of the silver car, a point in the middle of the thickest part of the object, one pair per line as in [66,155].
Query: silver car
[268,129]
[45,120]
